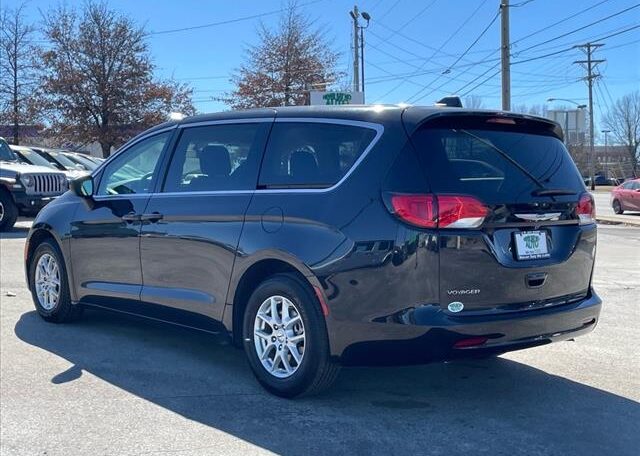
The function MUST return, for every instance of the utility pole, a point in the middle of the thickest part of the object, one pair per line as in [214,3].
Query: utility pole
[591,64]
[606,152]
[506,56]
[356,49]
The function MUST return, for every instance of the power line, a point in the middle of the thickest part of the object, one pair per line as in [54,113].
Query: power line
[230,21]
[548,55]
[559,22]
[419,94]
[571,32]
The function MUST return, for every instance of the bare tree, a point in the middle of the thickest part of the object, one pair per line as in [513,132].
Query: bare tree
[99,77]
[473,102]
[284,65]
[19,69]
[535,110]
[623,119]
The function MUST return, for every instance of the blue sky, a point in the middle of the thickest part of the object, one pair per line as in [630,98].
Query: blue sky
[409,45]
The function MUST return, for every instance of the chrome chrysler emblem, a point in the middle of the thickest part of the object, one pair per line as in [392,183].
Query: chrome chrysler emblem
[539,217]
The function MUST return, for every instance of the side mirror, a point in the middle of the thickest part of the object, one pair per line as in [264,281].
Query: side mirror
[82,186]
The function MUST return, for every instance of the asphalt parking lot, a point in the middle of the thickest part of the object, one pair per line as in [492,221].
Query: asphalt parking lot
[115,385]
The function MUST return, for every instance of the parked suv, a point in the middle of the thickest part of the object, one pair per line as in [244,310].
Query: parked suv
[322,236]
[24,188]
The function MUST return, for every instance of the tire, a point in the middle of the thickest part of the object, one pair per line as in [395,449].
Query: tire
[315,371]
[58,310]
[617,207]
[8,211]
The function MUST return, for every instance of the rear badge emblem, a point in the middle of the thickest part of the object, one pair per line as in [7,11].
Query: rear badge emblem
[455,306]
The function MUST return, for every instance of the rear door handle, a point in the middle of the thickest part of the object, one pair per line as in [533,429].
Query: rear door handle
[131,217]
[153,217]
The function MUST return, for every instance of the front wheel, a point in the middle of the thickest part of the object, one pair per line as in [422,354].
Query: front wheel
[285,338]
[8,211]
[617,207]
[49,285]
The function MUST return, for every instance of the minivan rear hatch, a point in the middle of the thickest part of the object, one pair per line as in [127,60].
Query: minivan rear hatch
[529,238]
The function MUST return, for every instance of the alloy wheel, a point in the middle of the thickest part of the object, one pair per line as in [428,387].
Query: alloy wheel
[279,336]
[1,211]
[47,281]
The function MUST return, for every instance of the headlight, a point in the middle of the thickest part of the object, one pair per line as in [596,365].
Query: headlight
[27,180]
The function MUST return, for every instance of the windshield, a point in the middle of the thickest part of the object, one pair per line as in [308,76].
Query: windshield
[64,161]
[34,158]
[6,154]
[466,161]
[82,161]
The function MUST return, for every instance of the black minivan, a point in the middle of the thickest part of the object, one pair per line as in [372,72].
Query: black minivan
[324,236]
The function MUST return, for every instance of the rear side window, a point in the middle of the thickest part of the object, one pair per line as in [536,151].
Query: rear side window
[464,160]
[312,155]
[217,157]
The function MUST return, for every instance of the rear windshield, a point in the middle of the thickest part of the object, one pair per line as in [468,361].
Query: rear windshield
[462,160]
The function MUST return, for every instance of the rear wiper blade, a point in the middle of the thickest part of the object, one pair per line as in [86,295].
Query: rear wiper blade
[506,156]
[553,192]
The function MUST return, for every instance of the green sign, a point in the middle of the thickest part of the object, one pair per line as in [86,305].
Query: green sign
[336,98]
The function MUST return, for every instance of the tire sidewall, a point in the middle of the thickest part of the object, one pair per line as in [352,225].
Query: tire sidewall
[617,207]
[10,211]
[63,298]
[316,346]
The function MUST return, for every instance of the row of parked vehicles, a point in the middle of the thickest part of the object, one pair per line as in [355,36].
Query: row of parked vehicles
[30,177]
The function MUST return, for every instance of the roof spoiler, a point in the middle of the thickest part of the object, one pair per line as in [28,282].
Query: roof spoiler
[450,102]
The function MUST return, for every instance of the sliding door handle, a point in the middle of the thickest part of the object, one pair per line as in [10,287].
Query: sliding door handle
[131,217]
[153,217]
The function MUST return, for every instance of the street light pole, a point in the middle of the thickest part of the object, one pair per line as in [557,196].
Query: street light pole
[358,44]
[356,49]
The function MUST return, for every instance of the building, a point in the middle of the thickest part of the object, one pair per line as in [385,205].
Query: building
[610,161]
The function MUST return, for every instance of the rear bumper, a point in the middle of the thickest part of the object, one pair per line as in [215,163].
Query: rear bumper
[431,334]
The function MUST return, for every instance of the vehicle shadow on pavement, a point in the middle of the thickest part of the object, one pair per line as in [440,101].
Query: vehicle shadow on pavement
[498,405]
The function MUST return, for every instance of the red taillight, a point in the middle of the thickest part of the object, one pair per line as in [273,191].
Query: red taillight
[460,212]
[586,209]
[439,211]
[418,210]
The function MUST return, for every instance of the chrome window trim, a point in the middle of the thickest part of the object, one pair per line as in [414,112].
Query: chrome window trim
[205,123]
[378,128]
[122,196]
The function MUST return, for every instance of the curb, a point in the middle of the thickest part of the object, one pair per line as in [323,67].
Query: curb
[617,220]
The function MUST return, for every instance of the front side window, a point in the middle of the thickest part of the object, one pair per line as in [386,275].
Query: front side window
[217,158]
[134,170]
[312,155]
